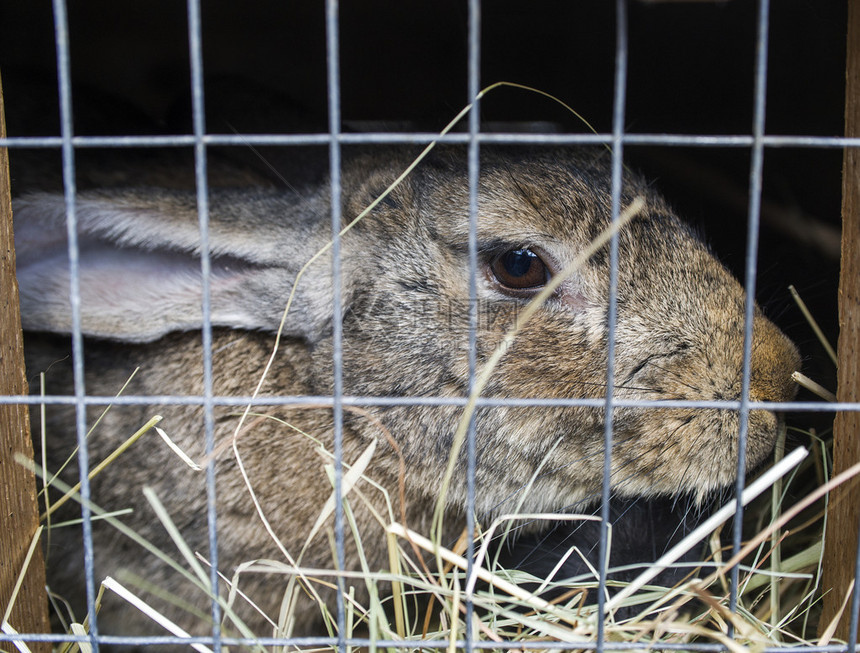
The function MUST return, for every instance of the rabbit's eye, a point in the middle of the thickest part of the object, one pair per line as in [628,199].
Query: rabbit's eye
[520,269]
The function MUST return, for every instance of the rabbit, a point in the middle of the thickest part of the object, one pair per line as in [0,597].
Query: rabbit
[404,311]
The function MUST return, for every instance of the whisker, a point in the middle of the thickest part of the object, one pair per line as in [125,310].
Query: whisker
[620,386]
[677,376]
[274,170]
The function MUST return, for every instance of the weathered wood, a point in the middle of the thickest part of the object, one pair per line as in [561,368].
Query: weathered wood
[19,517]
[841,536]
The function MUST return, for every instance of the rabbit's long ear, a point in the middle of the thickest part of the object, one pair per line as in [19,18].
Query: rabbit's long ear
[139,266]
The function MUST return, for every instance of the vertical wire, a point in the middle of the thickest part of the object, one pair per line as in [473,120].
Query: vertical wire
[619,102]
[756,165]
[474,156]
[61,34]
[333,54]
[201,182]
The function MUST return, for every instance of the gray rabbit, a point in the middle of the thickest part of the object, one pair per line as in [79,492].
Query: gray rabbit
[405,324]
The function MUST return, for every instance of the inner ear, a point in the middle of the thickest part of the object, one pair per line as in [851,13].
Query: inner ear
[132,295]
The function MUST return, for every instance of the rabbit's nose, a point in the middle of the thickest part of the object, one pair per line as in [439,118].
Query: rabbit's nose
[774,358]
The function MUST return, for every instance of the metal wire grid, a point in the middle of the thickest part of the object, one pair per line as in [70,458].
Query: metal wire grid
[200,140]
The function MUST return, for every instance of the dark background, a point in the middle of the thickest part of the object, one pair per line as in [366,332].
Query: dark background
[403,67]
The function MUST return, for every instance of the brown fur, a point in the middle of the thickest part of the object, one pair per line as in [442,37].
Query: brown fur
[405,297]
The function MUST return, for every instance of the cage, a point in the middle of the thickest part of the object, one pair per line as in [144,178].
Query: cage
[734,110]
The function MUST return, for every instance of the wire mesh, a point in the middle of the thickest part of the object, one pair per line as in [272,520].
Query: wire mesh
[200,140]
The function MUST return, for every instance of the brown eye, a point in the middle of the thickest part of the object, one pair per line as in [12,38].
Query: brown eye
[520,269]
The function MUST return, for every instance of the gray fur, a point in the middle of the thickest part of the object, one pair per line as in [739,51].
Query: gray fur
[405,297]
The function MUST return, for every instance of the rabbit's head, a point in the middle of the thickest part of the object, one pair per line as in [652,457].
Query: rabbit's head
[406,313]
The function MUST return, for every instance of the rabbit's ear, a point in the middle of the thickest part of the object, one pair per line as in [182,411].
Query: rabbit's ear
[139,264]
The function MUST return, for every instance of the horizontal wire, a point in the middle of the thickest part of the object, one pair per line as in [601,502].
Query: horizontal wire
[410,644]
[517,402]
[408,138]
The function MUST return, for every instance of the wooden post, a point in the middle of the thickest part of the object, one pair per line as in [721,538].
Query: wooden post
[19,516]
[841,536]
